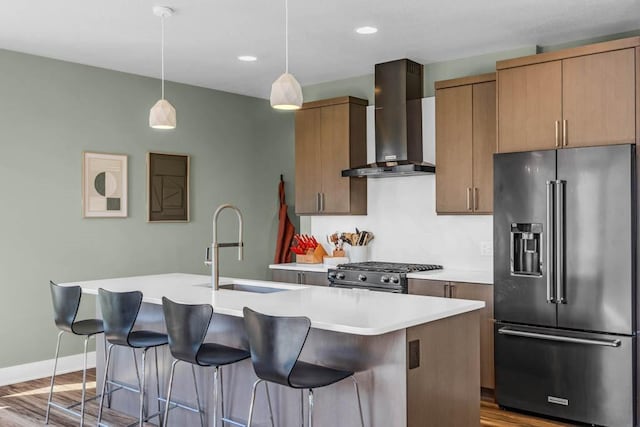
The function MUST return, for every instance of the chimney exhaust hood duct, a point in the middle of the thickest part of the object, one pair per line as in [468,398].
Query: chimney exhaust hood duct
[398,112]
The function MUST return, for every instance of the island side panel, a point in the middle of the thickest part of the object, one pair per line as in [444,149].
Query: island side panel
[445,388]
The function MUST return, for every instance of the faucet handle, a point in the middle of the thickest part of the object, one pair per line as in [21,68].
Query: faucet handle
[207,256]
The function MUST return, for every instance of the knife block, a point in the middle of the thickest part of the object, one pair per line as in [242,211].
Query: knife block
[313,256]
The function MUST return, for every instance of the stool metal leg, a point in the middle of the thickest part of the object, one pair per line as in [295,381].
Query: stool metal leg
[166,405]
[104,341]
[215,396]
[355,384]
[301,407]
[84,380]
[222,396]
[310,407]
[195,385]
[104,383]
[266,387]
[53,376]
[160,413]
[142,389]
[253,400]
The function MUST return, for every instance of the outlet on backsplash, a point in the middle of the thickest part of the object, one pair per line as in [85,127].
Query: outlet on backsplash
[486,248]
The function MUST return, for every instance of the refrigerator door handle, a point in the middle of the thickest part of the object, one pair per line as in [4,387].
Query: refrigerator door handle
[550,240]
[559,338]
[559,228]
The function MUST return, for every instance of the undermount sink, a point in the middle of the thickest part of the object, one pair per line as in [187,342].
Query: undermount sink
[245,288]
[250,288]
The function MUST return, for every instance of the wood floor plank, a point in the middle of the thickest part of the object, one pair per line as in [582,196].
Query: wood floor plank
[24,405]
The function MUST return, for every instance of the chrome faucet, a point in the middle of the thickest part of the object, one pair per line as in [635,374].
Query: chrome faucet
[215,246]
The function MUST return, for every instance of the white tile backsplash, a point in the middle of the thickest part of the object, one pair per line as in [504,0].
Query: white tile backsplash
[402,216]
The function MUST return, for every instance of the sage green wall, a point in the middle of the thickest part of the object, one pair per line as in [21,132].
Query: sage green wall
[50,112]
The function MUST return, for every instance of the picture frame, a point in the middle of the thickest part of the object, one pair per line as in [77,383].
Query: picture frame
[104,185]
[168,195]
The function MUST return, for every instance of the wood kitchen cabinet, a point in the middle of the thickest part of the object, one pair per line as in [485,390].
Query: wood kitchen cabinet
[330,137]
[300,277]
[577,97]
[472,291]
[465,142]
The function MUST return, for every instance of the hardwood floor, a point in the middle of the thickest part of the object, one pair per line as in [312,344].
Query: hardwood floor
[24,404]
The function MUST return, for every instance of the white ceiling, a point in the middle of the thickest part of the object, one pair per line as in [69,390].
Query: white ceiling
[204,37]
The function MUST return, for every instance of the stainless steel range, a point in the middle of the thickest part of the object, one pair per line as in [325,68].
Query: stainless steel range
[376,276]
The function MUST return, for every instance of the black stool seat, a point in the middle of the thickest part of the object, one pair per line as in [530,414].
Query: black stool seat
[307,375]
[147,339]
[87,327]
[212,354]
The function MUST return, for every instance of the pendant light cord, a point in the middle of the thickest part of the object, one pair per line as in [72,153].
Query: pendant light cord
[162,52]
[286,35]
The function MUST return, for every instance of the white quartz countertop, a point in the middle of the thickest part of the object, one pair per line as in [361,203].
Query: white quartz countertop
[318,268]
[357,312]
[447,275]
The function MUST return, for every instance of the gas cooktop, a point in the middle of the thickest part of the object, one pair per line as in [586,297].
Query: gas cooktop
[388,267]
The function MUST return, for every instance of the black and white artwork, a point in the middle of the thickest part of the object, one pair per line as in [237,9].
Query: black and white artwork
[104,185]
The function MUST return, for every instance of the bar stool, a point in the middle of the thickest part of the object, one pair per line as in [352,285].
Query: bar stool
[119,313]
[187,327]
[276,344]
[66,301]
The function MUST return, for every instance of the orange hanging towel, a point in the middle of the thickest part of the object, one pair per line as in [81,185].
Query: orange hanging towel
[286,230]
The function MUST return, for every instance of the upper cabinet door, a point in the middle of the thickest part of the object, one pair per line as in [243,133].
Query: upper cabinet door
[308,166]
[454,139]
[599,105]
[530,107]
[484,144]
[334,158]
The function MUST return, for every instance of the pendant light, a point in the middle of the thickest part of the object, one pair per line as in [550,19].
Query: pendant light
[162,114]
[286,93]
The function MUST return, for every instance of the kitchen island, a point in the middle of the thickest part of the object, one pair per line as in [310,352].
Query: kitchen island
[416,358]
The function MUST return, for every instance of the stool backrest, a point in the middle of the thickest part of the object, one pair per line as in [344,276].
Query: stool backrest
[275,344]
[66,300]
[187,327]
[119,314]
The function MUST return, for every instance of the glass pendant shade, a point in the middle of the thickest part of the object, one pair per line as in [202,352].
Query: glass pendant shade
[162,115]
[286,93]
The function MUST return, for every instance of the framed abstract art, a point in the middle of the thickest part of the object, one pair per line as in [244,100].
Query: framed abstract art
[167,187]
[104,185]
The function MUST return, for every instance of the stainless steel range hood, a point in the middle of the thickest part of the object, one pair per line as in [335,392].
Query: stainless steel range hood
[398,112]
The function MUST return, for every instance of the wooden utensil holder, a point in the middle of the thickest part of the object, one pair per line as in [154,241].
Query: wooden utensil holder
[338,253]
[313,256]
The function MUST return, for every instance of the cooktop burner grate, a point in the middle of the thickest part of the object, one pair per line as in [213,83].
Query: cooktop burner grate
[388,267]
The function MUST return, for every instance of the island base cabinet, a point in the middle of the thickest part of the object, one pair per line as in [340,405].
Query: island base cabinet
[450,394]
[441,391]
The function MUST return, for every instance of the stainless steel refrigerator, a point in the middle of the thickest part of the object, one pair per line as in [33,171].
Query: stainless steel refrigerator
[565,283]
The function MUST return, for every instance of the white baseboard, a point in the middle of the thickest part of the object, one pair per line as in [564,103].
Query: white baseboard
[44,368]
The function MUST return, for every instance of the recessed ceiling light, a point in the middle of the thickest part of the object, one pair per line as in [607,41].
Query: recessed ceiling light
[247,58]
[366,30]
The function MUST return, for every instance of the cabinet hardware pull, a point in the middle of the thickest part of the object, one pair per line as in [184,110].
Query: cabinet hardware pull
[565,142]
[317,202]
[468,198]
[557,133]
[475,198]
[447,291]
[452,289]
[322,202]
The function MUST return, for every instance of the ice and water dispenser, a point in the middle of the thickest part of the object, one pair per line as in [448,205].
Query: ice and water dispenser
[526,244]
